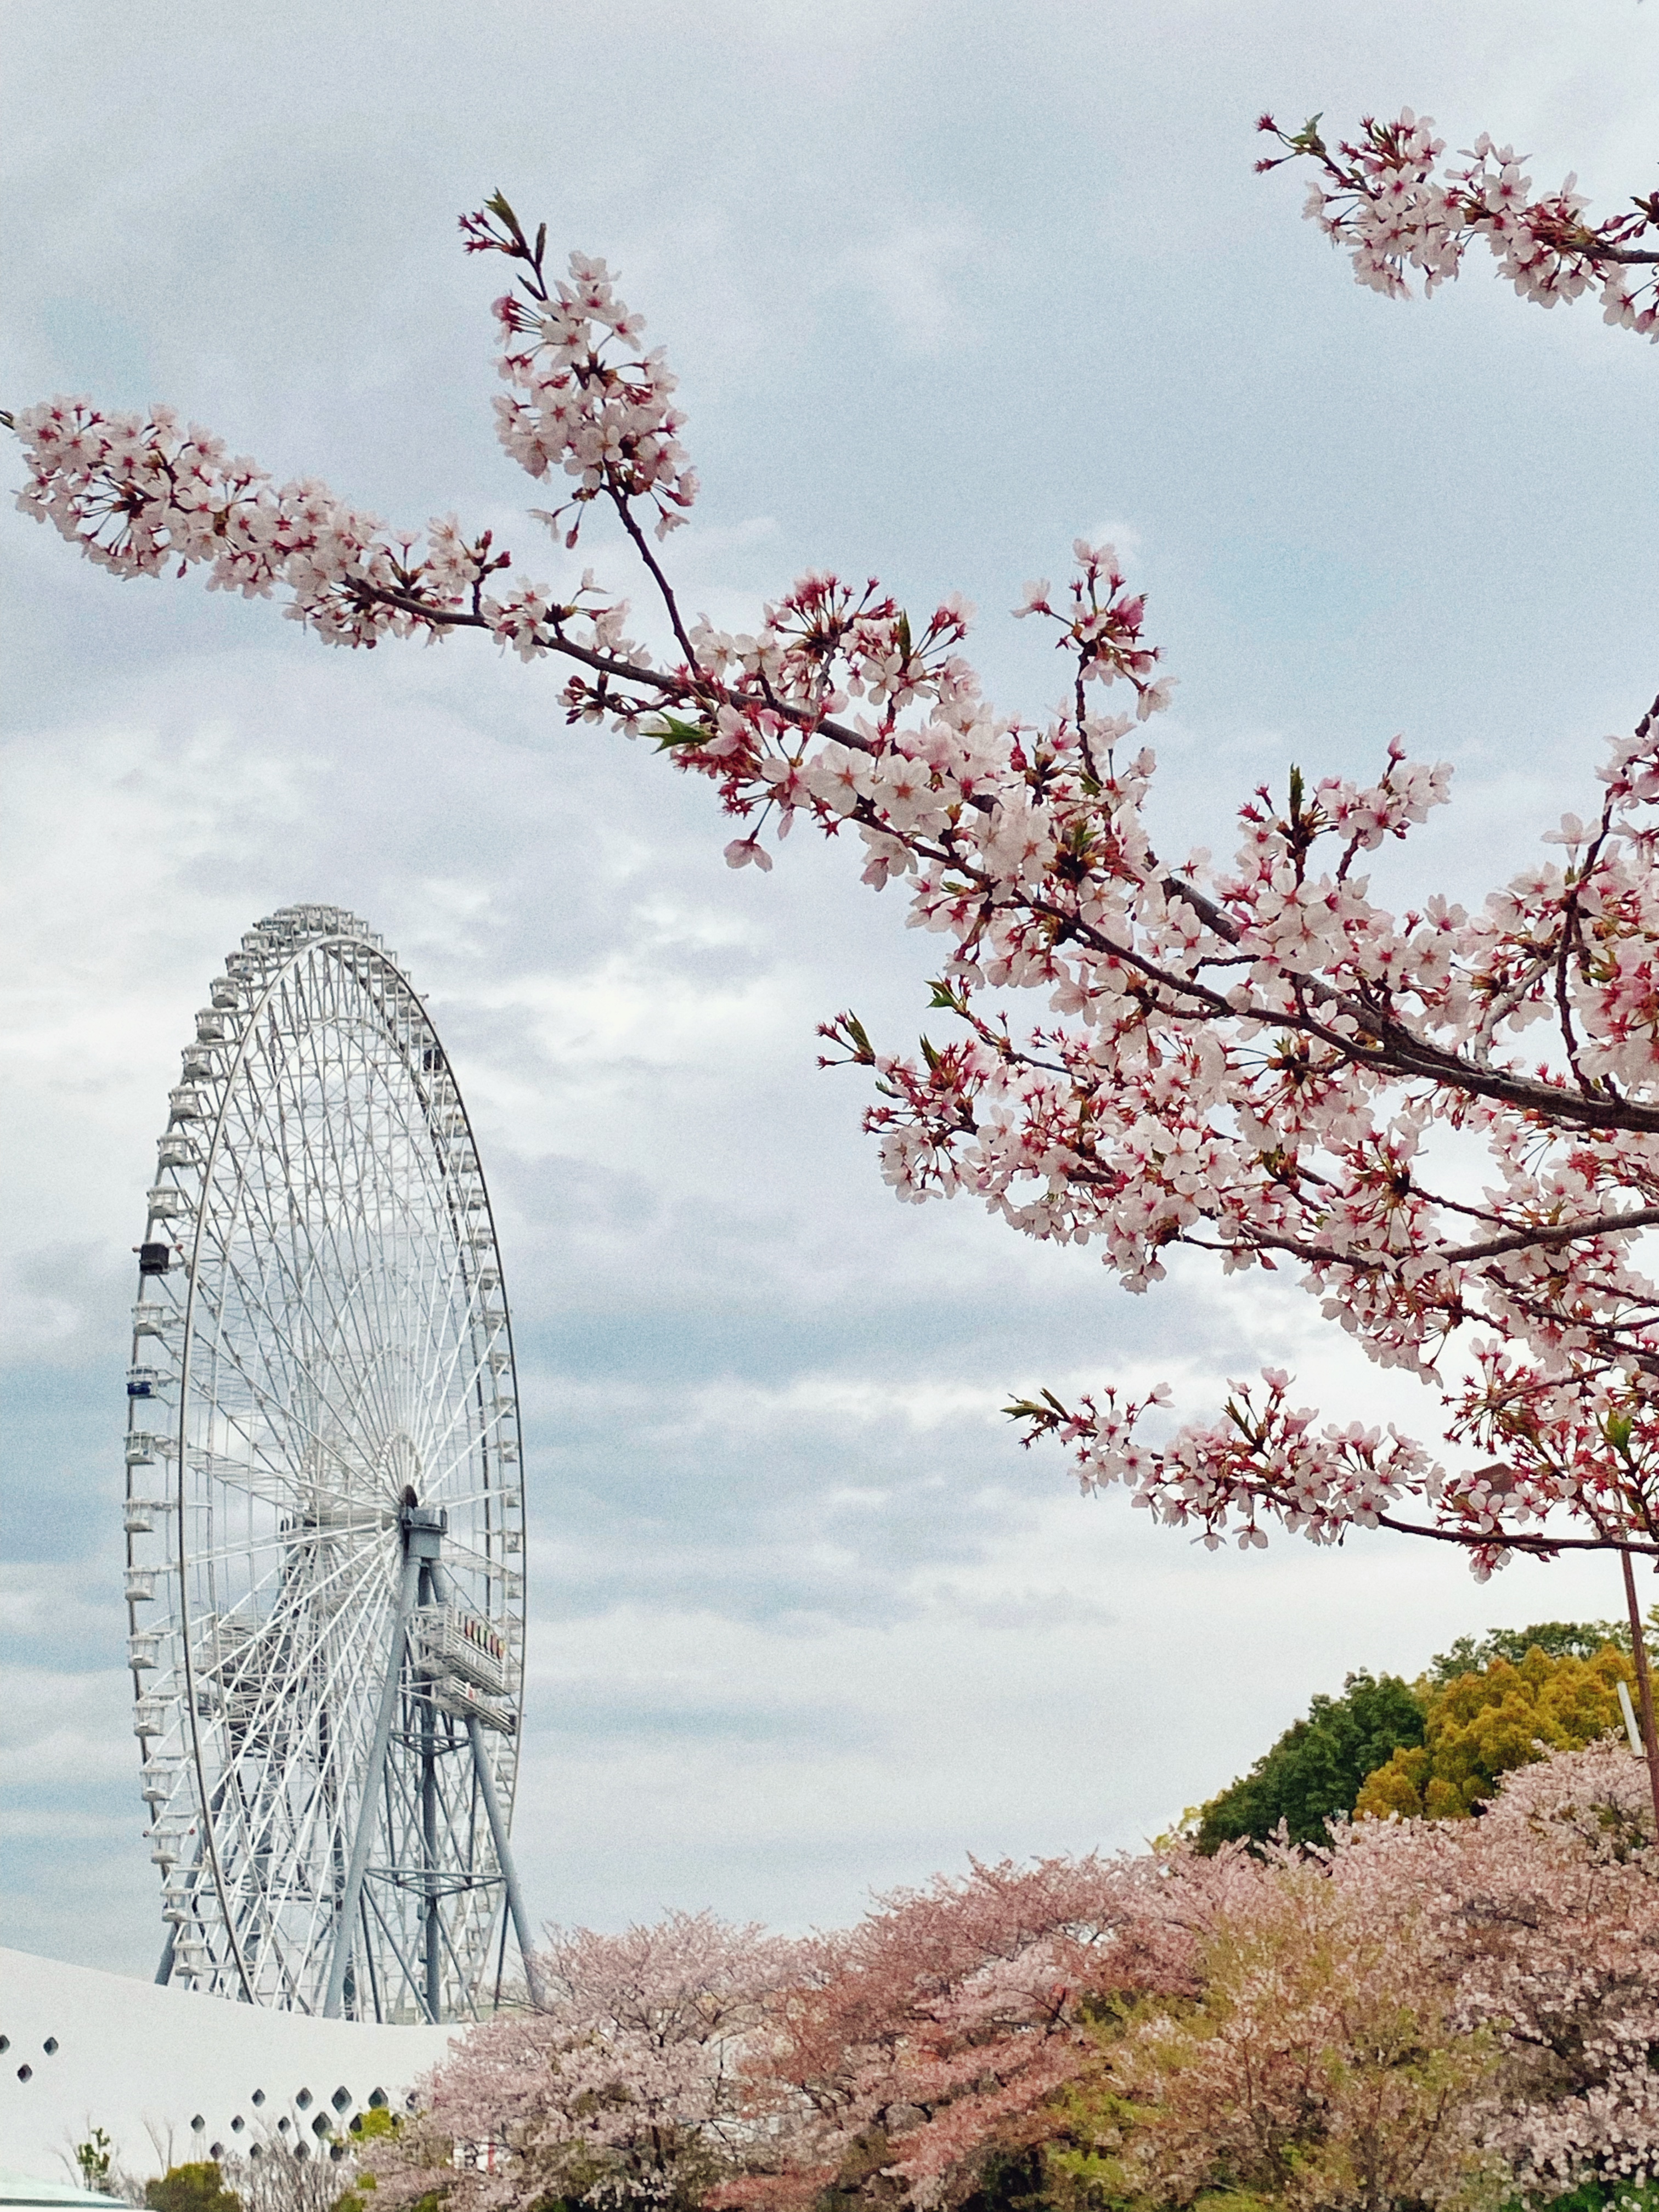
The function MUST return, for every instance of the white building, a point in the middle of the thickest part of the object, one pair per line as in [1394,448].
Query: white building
[170,2076]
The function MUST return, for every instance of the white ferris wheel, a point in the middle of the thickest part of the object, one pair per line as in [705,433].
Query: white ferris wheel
[324,1508]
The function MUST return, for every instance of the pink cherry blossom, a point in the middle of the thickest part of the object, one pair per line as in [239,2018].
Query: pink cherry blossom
[1432,2012]
[1252,1058]
[625,2089]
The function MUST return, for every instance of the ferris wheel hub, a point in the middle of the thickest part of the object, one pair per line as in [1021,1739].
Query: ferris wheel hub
[424,1529]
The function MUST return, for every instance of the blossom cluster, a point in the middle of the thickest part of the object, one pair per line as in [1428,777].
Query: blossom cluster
[608,422]
[1385,197]
[139,495]
[1258,1059]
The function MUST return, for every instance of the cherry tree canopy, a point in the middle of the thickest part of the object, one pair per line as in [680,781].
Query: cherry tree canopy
[1419,2012]
[621,2088]
[1254,1057]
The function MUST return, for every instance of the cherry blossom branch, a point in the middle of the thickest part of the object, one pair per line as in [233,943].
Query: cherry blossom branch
[1571,1232]
[1393,1048]
[1265,1459]
[1538,1547]
[1257,1061]
[1379,196]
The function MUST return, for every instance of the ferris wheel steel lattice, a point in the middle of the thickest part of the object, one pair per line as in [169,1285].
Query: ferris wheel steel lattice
[324,1502]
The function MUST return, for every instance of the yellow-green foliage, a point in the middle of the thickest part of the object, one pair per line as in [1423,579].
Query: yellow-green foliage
[1321,2069]
[196,2187]
[1480,1725]
[377,2124]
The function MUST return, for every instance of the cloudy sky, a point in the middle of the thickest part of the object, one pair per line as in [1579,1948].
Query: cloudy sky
[946,284]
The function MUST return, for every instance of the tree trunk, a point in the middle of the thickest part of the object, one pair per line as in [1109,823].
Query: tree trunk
[1638,1651]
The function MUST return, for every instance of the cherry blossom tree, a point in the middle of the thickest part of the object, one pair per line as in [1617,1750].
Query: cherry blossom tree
[1425,2013]
[1545,1916]
[1438,2013]
[948,2019]
[621,2090]
[1324,2065]
[1257,1058]
[1416,2012]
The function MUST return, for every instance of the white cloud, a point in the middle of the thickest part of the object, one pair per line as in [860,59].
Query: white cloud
[913,273]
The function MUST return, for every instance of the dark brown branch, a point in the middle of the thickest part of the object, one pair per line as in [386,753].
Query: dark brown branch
[699,690]
[663,589]
[1521,1240]
[1514,1540]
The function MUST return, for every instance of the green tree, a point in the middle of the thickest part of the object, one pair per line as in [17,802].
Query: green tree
[92,2157]
[1478,1725]
[1316,1769]
[1556,1639]
[1319,1766]
[196,2188]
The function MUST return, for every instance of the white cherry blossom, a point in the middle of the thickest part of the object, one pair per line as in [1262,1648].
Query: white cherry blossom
[1252,1058]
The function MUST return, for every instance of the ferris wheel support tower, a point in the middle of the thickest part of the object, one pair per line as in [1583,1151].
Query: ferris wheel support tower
[420,1583]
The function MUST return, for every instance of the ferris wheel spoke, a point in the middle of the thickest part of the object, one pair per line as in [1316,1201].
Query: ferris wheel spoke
[449,1433]
[308,1907]
[350,1359]
[355,1170]
[447,1472]
[321,1803]
[472,1427]
[420,1222]
[260,1454]
[257,1917]
[423,1379]
[444,1284]
[341,1215]
[224,1260]
[297,1906]
[239,1850]
[332,1688]
[321,1404]
[257,1208]
[280,1701]
[293,1368]
[461,1399]
[306,1270]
